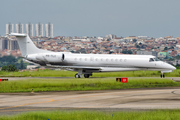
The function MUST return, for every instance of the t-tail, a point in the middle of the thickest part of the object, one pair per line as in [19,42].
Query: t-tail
[26,45]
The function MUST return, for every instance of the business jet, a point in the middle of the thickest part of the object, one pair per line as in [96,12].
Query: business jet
[86,64]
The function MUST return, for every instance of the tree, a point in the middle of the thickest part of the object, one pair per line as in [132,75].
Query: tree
[137,46]
[11,60]
[12,68]
[166,48]
[4,68]
[172,47]
[9,68]
[127,52]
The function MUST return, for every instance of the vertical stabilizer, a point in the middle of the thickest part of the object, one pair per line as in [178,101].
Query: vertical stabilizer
[26,45]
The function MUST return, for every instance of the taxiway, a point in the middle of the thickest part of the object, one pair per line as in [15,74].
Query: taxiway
[107,100]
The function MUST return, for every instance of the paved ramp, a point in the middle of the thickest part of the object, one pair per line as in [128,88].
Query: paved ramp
[108,100]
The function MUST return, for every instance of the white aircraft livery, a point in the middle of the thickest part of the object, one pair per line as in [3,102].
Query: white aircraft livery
[88,63]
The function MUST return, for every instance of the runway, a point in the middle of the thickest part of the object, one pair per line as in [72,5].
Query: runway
[106,100]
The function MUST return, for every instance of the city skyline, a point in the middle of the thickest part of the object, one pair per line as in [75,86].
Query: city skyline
[29,29]
[97,18]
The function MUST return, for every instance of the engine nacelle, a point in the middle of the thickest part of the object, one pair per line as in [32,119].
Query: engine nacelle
[50,57]
[31,57]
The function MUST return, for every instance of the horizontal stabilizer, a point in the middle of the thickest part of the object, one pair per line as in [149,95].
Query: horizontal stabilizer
[18,34]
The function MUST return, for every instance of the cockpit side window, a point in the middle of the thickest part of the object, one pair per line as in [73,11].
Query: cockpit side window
[151,60]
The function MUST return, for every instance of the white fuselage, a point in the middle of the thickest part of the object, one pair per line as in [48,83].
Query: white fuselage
[104,61]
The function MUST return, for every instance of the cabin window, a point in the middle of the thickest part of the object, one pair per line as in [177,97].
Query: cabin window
[116,60]
[96,59]
[151,60]
[112,60]
[85,59]
[80,59]
[125,60]
[120,60]
[101,59]
[106,59]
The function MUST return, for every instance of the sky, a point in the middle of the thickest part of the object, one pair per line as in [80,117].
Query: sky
[153,18]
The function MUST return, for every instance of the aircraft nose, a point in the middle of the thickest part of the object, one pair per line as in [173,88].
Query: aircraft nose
[171,67]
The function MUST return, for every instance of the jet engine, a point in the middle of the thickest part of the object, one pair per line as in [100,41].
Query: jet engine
[50,57]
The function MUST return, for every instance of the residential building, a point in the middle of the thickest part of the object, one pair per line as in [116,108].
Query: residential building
[39,30]
[9,28]
[154,53]
[29,29]
[163,55]
[19,28]
[49,30]
[3,44]
[13,45]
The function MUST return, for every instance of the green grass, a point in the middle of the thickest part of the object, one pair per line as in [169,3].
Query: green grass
[96,115]
[38,73]
[62,73]
[82,84]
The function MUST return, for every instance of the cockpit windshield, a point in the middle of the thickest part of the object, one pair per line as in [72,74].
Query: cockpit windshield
[153,59]
[156,59]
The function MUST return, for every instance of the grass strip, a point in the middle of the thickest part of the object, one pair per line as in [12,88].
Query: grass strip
[62,73]
[96,115]
[83,84]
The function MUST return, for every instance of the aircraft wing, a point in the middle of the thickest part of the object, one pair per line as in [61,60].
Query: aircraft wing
[73,67]
[95,69]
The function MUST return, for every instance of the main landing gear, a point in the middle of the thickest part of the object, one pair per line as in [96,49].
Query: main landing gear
[80,73]
[85,75]
[77,76]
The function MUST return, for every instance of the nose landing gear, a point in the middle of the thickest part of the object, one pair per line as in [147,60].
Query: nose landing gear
[162,75]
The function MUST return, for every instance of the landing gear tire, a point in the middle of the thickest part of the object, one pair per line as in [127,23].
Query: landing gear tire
[77,76]
[162,76]
[86,75]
